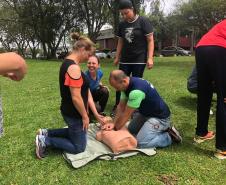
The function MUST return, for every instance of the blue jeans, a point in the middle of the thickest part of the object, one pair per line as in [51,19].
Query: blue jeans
[150,132]
[72,139]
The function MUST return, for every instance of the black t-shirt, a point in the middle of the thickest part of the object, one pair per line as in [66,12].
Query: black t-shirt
[67,107]
[134,40]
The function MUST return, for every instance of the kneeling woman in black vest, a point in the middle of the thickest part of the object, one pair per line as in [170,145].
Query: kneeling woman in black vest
[75,100]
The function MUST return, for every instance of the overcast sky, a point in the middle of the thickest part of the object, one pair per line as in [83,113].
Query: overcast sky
[169,5]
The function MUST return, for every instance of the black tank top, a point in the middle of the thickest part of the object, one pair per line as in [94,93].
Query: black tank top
[67,107]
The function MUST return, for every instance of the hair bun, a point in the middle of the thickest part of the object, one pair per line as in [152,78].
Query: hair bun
[75,36]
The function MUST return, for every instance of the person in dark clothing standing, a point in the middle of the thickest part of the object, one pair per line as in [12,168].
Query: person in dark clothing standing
[192,86]
[135,43]
[76,99]
[210,57]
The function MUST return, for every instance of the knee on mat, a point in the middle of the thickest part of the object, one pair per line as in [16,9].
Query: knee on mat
[79,149]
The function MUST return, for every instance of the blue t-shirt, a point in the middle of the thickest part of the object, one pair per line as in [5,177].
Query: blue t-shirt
[94,84]
[142,95]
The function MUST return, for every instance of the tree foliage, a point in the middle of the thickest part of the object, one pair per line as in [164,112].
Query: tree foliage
[50,20]
[26,24]
[192,18]
[196,17]
[12,34]
[95,14]
[202,14]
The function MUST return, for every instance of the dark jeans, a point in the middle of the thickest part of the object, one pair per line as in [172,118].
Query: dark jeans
[101,95]
[211,66]
[135,70]
[72,139]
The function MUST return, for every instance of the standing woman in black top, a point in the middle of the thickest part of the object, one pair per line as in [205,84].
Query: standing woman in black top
[75,101]
[135,43]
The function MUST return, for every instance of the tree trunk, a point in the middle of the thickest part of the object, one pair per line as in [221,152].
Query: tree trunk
[176,41]
[115,12]
[159,46]
[44,49]
[33,51]
[53,53]
[192,40]
[64,44]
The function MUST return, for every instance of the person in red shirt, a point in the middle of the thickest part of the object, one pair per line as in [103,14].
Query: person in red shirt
[210,58]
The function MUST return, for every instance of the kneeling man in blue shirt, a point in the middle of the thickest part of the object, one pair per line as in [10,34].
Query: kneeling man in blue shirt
[151,115]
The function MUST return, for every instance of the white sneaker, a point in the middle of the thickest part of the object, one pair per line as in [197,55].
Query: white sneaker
[40,146]
[42,131]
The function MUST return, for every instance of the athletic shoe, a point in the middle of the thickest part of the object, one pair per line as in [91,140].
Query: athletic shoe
[199,139]
[40,146]
[42,131]
[220,154]
[174,134]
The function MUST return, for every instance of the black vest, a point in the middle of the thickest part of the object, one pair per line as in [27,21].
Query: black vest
[153,105]
[67,107]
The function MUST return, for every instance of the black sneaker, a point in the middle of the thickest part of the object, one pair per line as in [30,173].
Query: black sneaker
[174,134]
[40,146]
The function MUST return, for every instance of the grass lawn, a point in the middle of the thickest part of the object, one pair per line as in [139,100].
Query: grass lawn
[34,103]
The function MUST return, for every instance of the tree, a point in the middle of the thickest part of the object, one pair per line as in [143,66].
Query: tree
[198,16]
[12,31]
[95,14]
[49,20]
[203,14]
[158,21]
[137,4]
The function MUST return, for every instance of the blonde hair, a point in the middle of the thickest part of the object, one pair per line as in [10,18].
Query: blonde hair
[81,41]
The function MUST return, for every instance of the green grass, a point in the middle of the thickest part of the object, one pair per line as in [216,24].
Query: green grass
[35,101]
